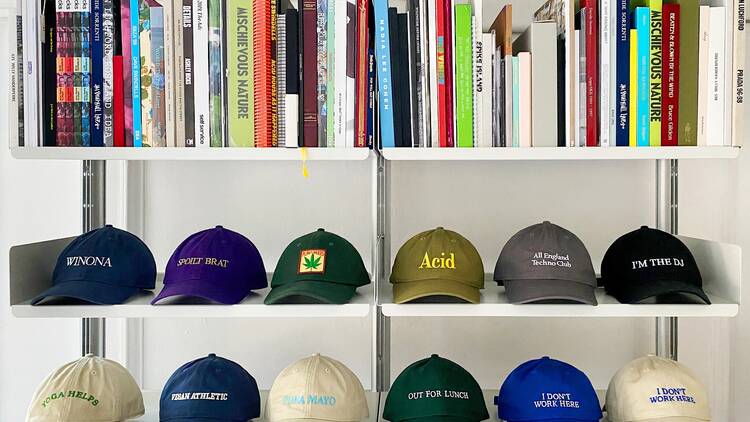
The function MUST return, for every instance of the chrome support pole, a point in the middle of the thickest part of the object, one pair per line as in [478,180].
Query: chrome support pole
[666,219]
[94,202]
[382,323]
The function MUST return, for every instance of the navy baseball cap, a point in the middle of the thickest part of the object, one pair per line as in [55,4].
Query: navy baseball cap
[547,390]
[215,264]
[210,389]
[105,266]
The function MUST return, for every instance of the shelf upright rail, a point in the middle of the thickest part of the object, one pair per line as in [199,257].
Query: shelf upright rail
[93,216]
[381,322]
[666,220]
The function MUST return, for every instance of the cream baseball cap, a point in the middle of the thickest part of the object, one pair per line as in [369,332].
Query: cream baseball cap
[655,389]
[86,390]
[316,388]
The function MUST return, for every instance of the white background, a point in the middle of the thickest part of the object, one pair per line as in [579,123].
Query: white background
[273,203]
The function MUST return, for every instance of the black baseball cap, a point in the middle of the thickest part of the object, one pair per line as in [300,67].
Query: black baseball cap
[651,264]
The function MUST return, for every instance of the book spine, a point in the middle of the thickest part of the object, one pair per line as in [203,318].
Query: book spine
[292,80]
[337,96]
[371,112]
[168,63]
[643,25]
[605,19]
[281,76]
[200,73]
[27,53]
[701,93]
[262,73]
[49,77]
[485,90]
[147,76]
[476,61]
[622,128]
[432,61]
[582,81]
[515,88]
[215,74]
[322,75]
[64,110]
[441,72]
[404,83]
[577,98]
[187,78]
[524,99]
[633,91]
[412,61]
[383,59]
[108,48]
[17,104]
[655,72]
[422,69]
[361,79]
[351,93]
[449,73]
[83,80]
[135,73]
[179,74]
[716,77]
[273,101]
[592,73]
[310,73]
[118,94]
[671,75]
[157,89]
[127,68]
[738,80]
[464,77]
[396,77]
[240,73]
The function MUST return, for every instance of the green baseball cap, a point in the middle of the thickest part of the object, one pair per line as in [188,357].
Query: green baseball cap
[435,389]
[320,266]
[437,262]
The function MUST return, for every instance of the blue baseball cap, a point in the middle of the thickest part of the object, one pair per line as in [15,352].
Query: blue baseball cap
[105,266]
[547,390]
[215,264]
[210,389]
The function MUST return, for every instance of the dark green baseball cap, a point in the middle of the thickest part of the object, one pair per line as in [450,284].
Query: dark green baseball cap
[437,262]
[317,267]
[435,389]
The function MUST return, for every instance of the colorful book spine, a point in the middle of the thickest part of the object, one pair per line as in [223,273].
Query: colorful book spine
[178,69]
[49,76]
[622,127]
[655,73]
[592,73]
[135,72]
[200,73]
[281,77]
[187,77]
[441,71]
[310,73]
[240,111]
[351,70]
[126,25]
[671,74]
[516,103]
[361,100]
[292,81]
[383,60]
[687,117]
[323,80]
[633,91]
[263,69]
[82,78]
[146,71]
[273,102]
[118,94]
[97,75]
[108,49]
[158,87]
[643,26]
[449,73]
[63,50]
[464,77]
[215,74]
[167,82]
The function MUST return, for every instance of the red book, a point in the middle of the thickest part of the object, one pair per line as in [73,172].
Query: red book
[670,79]
[118,102]
[442,71]
[361,75]
[309,19]
[592,73]
[262,65]
[448,4]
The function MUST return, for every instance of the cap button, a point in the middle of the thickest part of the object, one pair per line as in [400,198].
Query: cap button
[434,355]
[320,229]
[108,225]
[439,228]
[644,227]
[546,222]
[219,226]
[545,357]
[212,355]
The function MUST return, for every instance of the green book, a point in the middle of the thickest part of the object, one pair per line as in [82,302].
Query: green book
[687,115]
[655,69]
[240,106]
[464,77]
[215,73]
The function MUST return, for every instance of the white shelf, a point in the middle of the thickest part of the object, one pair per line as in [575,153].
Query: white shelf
[165,154]
[561,153]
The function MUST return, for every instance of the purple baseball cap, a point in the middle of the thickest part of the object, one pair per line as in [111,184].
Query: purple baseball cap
[215,264]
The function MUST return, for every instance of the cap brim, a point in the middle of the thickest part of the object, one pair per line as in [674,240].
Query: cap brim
[405,292]
[201,419]
[441,419]
[673,419]
[320,291]
[638,293]
[89,291]
[530,291]
[201,289]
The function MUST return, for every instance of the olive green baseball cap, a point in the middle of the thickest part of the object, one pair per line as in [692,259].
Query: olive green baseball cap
[435,389]
[317,267]
[437,262]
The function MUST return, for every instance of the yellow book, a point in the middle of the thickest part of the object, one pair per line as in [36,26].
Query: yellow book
[632,108]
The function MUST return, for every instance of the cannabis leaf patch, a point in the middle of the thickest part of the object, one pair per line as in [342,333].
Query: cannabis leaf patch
[312,261]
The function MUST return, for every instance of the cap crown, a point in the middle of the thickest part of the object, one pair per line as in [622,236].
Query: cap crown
[88,389]
[317,387]
[653,387]
[320,256]
[545,251]
[435,387]
[107,255]
[547,389]
[211,387]
[438,254]
[220,257]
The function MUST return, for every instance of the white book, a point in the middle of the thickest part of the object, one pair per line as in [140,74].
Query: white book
[486,93]
[422,49]
[577,92]
[108,42]
[432,33]
[200,73]
[613,104]
[339,74]
[703,79]
[524,99]
[717,79]
[351,94]
[582,84]
[508,112]
[738,74]
[169,70]
[14,89]
[605,17]
[31,74]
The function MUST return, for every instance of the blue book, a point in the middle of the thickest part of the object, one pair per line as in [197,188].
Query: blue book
[622,45]
[383,61]
[97,75]
[516,102]
[643,109]
[135,59]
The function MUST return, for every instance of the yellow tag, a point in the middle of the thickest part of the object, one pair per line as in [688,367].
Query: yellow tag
[303,153]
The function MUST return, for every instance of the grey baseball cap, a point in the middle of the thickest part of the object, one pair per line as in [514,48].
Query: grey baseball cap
[546,262]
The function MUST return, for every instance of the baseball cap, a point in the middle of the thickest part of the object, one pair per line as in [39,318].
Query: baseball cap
[105,266]
[547,390]
[437,262]
[651,264]
[217,264]
[320,267]
[435,389]
[545,262]
[210,389]
[656,389]
[316,388]
[88,389]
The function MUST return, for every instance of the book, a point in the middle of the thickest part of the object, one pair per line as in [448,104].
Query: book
[239,73]
[670,74]
[351,59]
[591,27]
[200,73]
[484,89]
[281,76]
[108,52]
[464,77]
[158,87]
[323,69]
[622,93]
[716,114]
[476,52]
[525,131]
[688,105]
[738,79]
[135,73]
[516,89]
[82,74]
[331,56]
[582,80]
[292,88]
[16,103]
[398,97]
[338,95]
[273,101]
[372,112]
[503,27]
[405,81]
[264,64]
[309,32]
[97,75]
[126,37]
[383,60]
[655,68]
[167,79]
[605,70]
[580,134]
[423,69]
[540,39]
[361,98]
[187,68]
[633,91]
[414,77]
[703,81]
[642,21]
[449,74]
[216,73]
[613,104]
[118,95]
[49,78]
[441,71]
[178,70]
[146,71]
[432,71]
